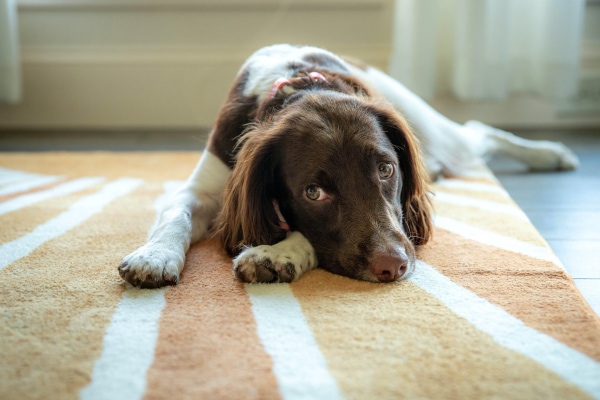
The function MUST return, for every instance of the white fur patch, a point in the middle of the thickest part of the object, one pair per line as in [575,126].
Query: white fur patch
[210,175]
[184,220]
[273,62]
[285,261]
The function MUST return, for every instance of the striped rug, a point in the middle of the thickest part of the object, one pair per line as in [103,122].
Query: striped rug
[489,312]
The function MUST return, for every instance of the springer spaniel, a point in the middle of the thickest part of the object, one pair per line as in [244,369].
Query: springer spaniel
[318,160]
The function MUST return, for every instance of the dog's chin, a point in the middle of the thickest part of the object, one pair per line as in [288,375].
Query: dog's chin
[362,273]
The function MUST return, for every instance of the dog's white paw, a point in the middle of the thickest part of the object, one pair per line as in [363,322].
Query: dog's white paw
[152,266]
[553,156]
[540,155]
[264,264]
[285,261]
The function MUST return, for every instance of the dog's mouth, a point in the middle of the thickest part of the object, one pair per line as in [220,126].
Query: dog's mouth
[287,86]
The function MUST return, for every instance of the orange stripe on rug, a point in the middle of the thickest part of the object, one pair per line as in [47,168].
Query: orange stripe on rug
[495,197]
[487,191]
[393,341]
[14,181]
[22,221]
[58,300]
[537,292]
[208,345]
[156,166]
[510,332]
[61,189]
[507,225]
[47,186]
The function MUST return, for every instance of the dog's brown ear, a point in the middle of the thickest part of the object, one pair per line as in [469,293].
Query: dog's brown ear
[247,217]
[416,204]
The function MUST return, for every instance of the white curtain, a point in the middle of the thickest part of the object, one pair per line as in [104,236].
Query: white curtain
[10,68]
[488,49]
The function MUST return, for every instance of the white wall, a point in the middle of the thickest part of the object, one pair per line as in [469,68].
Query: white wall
[167,64]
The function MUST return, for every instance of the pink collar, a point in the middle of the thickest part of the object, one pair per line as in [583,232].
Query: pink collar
[282,222]
[280,83]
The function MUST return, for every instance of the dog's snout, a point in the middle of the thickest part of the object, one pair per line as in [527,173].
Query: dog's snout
[389,268]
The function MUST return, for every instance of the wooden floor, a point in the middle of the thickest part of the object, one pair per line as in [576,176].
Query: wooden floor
[564,206]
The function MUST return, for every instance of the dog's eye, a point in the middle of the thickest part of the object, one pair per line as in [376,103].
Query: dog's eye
[315,193]
[385,170]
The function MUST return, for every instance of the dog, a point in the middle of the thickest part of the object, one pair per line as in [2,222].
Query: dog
[315,159]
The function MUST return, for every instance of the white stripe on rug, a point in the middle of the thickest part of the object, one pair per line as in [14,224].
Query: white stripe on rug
[28,183]
[130,340]
[12,175]
[496,240]
[128,347]
[509,331]
[77,213]
[299,365]
[471,186]
[69,187]
[4,172]
[485,205]
[481,171]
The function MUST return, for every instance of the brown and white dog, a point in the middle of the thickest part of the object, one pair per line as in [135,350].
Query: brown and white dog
[312,161]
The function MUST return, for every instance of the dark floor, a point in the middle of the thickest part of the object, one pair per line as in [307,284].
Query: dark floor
[564,206]
[75,140]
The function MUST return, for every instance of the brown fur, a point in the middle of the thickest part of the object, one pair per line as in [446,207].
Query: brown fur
[303,135]
[307,167]
[415,197]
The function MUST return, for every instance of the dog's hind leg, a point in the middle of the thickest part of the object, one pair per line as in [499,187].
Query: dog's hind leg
[451,148]
[184,220]
[540,155]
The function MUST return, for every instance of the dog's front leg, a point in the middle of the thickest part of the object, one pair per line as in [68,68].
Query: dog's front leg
[184,221]
[285,261]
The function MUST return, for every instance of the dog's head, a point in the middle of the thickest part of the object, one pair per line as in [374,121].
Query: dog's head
[343,170]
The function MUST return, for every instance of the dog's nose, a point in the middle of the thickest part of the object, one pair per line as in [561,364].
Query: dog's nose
[388,268]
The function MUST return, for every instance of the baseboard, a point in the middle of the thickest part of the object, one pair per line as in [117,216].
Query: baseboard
[131,88]
[518,112]
[183,88]
[193,5]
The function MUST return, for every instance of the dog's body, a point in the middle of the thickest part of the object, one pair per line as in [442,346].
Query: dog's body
[311,161]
